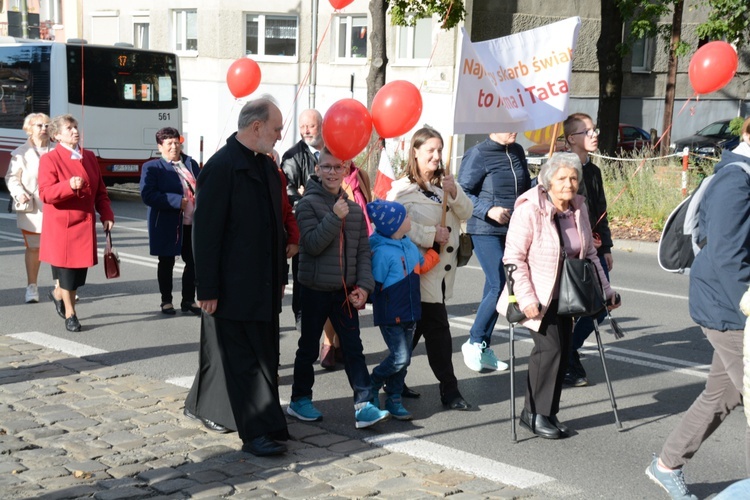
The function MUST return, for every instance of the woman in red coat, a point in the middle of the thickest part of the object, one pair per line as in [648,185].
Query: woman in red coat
[71,188]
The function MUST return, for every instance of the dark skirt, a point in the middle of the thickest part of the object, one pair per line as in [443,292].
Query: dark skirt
[70,279]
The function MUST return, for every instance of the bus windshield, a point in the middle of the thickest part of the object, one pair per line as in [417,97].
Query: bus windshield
[117,77]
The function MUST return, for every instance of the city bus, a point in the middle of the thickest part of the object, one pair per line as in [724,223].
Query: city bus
[120,96]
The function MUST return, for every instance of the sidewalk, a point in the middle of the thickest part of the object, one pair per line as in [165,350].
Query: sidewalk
[70,428]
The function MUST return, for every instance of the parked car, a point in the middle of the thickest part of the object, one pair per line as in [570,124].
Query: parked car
[709,141]
[629,138]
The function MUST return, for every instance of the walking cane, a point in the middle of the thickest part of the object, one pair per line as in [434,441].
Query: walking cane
[618,334]
[513,315]
[606,374]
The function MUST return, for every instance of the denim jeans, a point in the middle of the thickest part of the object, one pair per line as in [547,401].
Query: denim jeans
[316,307]
[489,249]
[392,370]
[584,326]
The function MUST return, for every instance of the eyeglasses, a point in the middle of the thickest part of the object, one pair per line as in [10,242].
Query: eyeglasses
[590,133]
[42,125]
[328,168]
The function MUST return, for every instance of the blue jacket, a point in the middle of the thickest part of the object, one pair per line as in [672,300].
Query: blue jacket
[396,298]
[492,175]
[721,271]
[162,192]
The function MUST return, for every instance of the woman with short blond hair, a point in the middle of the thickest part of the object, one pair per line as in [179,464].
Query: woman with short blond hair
[22,182]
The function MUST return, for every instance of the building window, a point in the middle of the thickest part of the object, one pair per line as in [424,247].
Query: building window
[140,35]
[352,37]
[415,42]
[641,50]
[185,29]
[272,36]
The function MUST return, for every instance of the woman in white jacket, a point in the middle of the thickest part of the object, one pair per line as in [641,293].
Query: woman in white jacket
[421,191]
[21,180]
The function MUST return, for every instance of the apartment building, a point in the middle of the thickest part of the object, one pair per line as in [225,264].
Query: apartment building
[312,56]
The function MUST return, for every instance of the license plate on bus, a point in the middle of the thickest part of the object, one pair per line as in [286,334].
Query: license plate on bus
[124,168]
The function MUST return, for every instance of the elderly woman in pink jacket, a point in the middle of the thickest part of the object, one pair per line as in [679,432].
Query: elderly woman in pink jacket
[533,246]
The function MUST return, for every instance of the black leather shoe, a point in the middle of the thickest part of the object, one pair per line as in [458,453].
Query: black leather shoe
[539,425]
[188,307]
[169,311]
[59,304]
[564,429]
[263,446]
[208,424]
[457,403]
[409,393]
[72,324]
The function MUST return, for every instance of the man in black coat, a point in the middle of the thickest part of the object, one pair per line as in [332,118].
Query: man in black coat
[239,250]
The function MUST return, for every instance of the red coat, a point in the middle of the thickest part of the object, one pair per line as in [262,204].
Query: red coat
[69,223]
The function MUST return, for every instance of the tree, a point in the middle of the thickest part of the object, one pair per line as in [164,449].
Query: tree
[403,13]
[726,19]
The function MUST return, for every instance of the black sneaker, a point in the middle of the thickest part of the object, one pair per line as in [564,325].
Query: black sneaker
[573,380]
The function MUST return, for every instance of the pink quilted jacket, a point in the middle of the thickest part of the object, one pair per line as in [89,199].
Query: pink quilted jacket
[533,245]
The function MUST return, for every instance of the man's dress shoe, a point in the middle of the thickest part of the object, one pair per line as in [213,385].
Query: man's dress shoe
[208,424]
[539,425]
[263,446]
[409,393]
[564,429]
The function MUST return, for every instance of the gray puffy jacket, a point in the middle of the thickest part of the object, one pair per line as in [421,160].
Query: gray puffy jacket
[321,265]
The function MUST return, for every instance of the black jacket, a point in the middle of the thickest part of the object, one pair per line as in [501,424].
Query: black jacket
[298,164]
[238,235]
[592,188]
[322,266]
[492,175]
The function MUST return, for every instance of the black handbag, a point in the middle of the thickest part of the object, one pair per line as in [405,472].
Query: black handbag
[465,249]
[580,293]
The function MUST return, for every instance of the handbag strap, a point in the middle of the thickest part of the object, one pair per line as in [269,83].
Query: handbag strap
[559,234]
[108,240]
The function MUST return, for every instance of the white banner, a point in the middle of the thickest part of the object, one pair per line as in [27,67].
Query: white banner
[516,83]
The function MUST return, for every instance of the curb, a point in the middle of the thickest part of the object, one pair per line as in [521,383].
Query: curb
[636,246]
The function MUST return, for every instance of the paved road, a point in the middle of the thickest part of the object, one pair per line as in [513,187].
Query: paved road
[657,370]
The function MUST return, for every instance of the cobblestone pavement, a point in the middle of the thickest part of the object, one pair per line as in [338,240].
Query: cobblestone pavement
[71,428]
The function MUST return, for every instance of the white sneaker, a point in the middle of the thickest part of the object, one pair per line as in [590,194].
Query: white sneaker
[489,360]
[472,355]
[32,293]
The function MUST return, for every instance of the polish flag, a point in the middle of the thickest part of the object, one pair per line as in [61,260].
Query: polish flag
[384,176]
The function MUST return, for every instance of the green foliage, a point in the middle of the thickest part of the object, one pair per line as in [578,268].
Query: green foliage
[406,12]
[727,20]
[650,194]
[735,126]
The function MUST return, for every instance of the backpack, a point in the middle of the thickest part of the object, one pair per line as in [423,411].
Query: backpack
[680,239]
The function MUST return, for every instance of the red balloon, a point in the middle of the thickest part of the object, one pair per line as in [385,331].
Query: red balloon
[396,108]
[243,77]
[712,67]
[340,4]
[347,127]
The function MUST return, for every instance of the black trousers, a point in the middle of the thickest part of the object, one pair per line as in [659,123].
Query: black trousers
[248,359]
[166,266]
[296,299]
[435,329]
[548,362]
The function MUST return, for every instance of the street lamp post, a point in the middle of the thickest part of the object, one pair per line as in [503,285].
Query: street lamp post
[313,53]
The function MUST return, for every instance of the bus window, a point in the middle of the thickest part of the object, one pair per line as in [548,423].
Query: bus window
[24,84]
[122,78]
